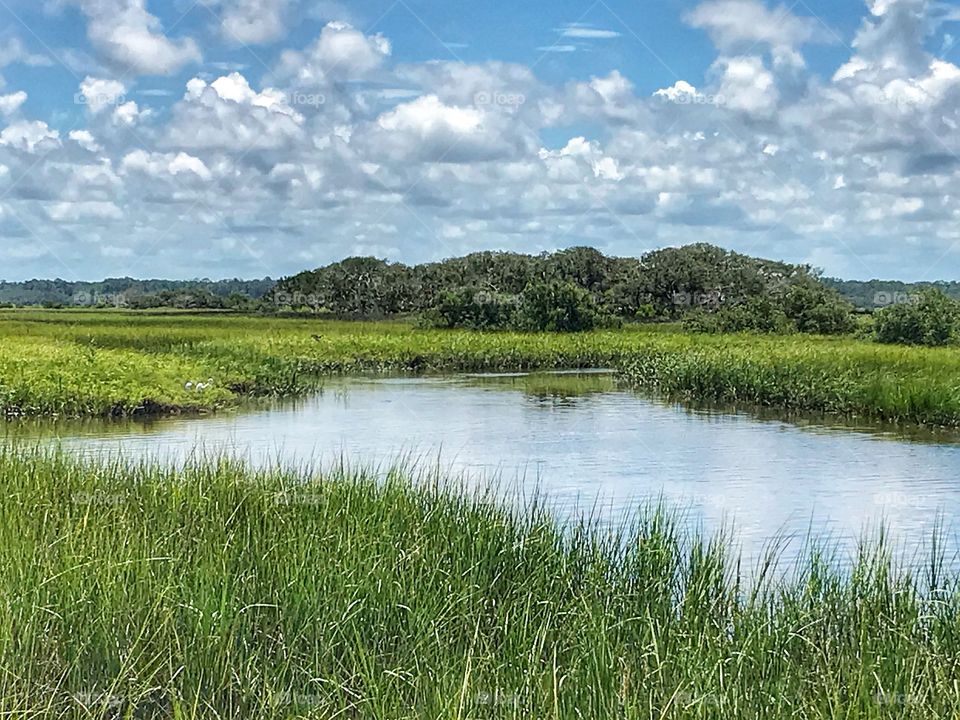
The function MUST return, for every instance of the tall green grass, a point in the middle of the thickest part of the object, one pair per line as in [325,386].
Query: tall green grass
[119,363]
[215,591]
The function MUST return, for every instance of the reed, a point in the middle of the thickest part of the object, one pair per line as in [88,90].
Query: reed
[216,591]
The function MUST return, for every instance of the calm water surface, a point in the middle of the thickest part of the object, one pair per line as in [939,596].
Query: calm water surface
[586,445]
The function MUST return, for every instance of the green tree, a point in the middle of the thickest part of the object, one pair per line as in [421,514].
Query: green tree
[931,319]
[815,308]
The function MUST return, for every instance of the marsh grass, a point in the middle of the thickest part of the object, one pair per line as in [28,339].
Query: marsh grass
[217,591]
[78,363]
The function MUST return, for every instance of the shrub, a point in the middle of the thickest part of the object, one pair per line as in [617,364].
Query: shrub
[473,309]
[815,308]
[756,314]
[557,306]
[930,320]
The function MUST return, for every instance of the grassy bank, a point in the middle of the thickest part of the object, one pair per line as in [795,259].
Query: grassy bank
[104,363]
[217,592]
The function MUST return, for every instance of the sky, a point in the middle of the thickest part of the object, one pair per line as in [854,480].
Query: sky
[246,138]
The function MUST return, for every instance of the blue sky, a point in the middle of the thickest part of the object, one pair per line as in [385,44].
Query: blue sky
[260,137]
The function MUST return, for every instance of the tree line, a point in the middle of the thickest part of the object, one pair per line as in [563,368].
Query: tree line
[709,288]
[706,288]
[131,293]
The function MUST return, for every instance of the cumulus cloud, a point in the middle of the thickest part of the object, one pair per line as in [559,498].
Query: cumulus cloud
[9,104]
[159,165]
[87,210]
[99,93]
[746,85]
[339,53]
[251,22]
[86,140]
[428,129]
[31,136]
[228,114]
[131,38]
[738,26]
[429,158]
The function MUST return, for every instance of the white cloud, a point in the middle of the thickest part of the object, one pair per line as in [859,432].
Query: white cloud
[339,53]
[29,136]
[86,210]
[585,32]
[129,114]
[131,38]
[739,25]
[12,50]
[229,114]
[85,139]
[746,85]
[9,104]
[251,22]
[157,164]
[99,93]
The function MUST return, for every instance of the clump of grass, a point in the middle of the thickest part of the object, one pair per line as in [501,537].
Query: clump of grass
[216,591]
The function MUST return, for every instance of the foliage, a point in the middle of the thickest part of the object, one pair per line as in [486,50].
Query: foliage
[932,319]
[815,308]
[664,284]
[557,306]
[756,314]
[473,309]
[215,591]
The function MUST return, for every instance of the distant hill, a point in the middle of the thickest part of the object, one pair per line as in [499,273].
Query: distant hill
[876,294]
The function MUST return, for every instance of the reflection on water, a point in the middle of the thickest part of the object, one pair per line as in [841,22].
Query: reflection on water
[588,444]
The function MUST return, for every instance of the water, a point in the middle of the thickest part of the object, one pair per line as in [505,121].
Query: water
[588,446]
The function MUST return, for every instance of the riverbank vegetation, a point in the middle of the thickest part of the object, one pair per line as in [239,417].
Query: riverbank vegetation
[76,363]
[215,591]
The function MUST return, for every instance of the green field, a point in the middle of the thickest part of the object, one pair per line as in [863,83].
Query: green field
[219,592]
[77,363]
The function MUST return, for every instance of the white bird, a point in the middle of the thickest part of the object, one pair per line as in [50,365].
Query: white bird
[201,386]
[188,386]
